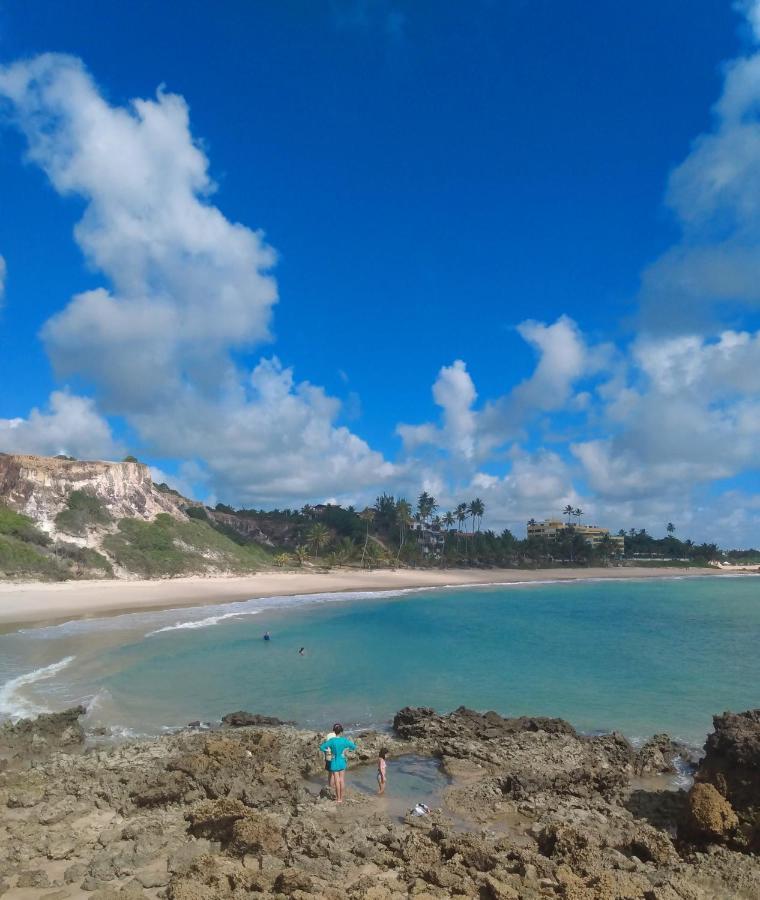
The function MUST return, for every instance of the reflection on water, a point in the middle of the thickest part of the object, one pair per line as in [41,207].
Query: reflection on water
[412,779]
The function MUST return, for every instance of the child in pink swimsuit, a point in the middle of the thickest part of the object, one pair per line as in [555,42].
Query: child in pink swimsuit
[381,769]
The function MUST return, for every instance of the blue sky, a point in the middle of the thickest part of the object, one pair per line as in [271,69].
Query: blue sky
[428,177]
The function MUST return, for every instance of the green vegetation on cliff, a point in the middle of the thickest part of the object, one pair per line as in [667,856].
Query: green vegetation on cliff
[167,547]
[82,511]
[27,552]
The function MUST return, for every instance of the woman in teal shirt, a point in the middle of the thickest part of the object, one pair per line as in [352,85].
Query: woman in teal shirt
[336,747]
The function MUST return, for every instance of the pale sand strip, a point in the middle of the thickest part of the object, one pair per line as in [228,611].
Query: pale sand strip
[30,603]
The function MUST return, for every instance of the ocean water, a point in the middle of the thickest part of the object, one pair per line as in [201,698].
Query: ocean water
[636,656]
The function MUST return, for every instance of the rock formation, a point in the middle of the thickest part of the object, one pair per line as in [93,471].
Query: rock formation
[732,766]
[39,487]
[531,813]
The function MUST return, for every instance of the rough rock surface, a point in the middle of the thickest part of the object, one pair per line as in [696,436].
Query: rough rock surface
[39,486]
[531,813]
[50,731]
[709,814]
[732,765]
[242,719]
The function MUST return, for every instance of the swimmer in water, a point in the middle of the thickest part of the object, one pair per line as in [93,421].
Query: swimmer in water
[302,651]
[266,636]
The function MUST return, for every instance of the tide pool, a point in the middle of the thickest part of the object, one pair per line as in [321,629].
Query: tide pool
[636,656]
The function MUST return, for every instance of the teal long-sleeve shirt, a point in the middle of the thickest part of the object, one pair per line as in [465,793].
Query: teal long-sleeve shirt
[337,746]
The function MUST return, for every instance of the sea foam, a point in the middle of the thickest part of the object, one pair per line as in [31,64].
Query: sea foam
[13,704]
[203,623]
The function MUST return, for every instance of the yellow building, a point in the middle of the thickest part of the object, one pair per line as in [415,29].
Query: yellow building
[551,529]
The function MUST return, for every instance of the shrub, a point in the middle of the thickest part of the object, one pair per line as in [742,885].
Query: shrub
[82,511]
[19,558]
[22,527]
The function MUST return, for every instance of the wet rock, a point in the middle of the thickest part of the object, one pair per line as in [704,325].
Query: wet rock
[424,722]
[46,733]
[243,719]
[658,755]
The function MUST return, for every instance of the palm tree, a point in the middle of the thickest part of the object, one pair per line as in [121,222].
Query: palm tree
[568,511]
[477,510]
[344,551]
[318,537]
[368,515]
[578,513]
[281,559]
[448,521]
[471,515]
[426,506]
[302,553]
[404,517]
[461,517]
[670,528]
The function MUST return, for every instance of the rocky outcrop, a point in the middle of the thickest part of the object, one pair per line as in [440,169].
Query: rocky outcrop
[423,722]
[660,755]
[243,719]
[710,816]
[231,814]
[45,734]
[732,766]
[39,487]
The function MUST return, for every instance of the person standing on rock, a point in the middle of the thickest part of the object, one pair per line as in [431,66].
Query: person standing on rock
[337,747]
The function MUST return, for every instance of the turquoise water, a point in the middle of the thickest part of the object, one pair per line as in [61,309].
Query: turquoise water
[636,656]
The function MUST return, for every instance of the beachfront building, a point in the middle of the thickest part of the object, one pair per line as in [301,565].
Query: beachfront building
[552,529]
[432,540]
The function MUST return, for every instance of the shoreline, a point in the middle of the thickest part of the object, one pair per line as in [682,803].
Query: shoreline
[45,603]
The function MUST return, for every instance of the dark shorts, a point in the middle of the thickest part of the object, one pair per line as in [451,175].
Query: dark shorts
[327,765]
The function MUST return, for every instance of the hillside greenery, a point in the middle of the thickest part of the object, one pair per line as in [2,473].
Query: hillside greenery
[83,511]
[166,547]
[27,552]
[394,531]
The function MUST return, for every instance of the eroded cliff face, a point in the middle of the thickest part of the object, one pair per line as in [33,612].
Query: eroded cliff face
[39,487]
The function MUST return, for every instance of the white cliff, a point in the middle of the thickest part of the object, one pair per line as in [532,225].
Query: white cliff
[39,487]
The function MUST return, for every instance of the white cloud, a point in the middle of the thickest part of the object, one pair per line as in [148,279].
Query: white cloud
[454,392]
[270,441]
[715,196]
[70,425]
[187,289]
[563,359]
[188,285]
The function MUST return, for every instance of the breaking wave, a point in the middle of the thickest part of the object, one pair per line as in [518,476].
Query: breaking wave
[13,704]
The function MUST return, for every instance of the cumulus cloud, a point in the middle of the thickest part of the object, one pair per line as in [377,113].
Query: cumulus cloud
[186,289]
[693,416]
[564,358]
[271,440]
[454,392]
[187,284]
[69,425]
[714,195]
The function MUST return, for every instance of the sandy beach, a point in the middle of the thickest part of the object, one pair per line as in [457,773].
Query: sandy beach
[26,603]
